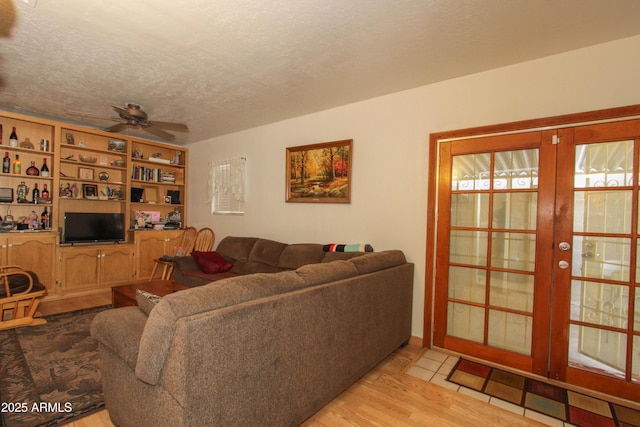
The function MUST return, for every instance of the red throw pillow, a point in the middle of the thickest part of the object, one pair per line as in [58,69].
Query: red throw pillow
[211,262]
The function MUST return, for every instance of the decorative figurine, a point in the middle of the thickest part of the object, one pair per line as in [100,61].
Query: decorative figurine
[116,194]
[140,219]
[27,144]
[174,217]
[33,221]
[65,191]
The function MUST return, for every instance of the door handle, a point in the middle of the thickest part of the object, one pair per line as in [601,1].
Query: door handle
[564,246]
[563,264]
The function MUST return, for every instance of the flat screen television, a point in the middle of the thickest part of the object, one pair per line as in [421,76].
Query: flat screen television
[92,227]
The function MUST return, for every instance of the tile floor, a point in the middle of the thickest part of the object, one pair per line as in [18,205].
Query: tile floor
[435,366]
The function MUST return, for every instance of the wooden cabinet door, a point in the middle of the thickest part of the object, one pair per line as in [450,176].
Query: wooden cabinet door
[150,245]
[34,253]
[4,245]
[116,265]
[79,268]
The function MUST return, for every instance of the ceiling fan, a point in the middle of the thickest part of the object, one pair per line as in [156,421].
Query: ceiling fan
[134,116]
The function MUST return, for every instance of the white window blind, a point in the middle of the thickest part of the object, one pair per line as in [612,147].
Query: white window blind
[226,186]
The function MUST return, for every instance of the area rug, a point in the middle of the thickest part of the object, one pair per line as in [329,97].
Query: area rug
[50,374]
[565,405]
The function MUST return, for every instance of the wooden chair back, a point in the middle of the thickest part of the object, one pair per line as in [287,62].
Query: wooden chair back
[187,241]
[205,240]
[183,248]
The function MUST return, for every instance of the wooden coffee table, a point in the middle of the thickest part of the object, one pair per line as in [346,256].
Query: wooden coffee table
[125,295]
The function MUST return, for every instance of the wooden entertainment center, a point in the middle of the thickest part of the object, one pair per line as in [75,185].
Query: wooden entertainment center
[95,172]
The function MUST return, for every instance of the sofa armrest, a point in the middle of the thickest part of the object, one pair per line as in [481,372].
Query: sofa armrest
[120,330]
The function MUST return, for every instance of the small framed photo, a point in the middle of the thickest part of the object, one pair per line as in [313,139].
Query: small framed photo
[86,173]
[167,200]
[90,191]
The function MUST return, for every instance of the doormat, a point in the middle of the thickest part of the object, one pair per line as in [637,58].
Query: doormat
[565,405]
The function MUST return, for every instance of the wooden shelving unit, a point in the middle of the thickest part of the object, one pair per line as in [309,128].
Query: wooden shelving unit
[89,171]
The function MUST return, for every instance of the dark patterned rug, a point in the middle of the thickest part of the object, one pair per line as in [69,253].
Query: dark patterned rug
[50,374]
[565,405]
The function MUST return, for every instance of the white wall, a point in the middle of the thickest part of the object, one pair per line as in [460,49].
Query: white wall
[391,134]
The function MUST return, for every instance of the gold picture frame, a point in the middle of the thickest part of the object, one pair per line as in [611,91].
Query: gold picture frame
[319,173]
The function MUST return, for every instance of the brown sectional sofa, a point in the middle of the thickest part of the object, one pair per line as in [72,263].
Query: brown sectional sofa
[255,255]
[266,349]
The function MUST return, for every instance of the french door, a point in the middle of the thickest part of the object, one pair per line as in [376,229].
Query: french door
[537,255]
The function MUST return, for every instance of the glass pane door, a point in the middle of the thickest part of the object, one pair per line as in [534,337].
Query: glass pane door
[603,338]
[489,269]
[538,253]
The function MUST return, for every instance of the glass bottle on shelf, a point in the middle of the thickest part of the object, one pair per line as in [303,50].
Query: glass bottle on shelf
[6,163]
[13,138]
[45,219]
[35,193]
[17,165]
[33,170]
[45,193]
[44,169]
[8,217]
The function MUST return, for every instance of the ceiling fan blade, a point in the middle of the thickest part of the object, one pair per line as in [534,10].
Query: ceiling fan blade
[180,127]
[159,132]
[123,113]
[116,128]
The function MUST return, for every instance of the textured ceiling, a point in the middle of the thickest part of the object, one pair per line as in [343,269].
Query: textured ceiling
[225,65]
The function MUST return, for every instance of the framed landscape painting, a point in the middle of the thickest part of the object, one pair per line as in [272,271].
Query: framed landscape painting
[320,173]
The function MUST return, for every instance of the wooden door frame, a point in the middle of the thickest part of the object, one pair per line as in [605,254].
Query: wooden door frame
[433,179]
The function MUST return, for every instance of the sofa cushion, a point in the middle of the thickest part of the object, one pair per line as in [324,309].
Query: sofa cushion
[266,251]
[375,261]
[236,248]
[335,256]
[298,254]
[211,262]
[314,274]
[251,267]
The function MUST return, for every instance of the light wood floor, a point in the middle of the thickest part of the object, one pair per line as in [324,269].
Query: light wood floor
[48,307]
[386,396]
